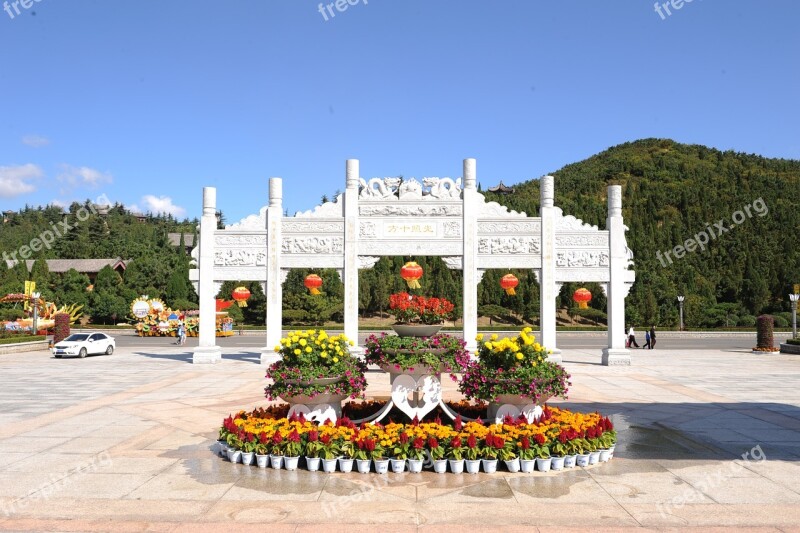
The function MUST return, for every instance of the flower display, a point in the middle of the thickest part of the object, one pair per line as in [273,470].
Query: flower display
[557,432]
[408,309]
[513,365]
[313,363]
[440,352]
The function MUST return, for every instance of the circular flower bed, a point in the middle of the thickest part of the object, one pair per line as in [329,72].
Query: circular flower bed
[313,363]
[513,366]
[441,352]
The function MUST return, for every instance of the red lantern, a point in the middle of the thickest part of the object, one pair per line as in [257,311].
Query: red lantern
[313,283]
[508,282]
[582,296]
[241,294]
[411,272]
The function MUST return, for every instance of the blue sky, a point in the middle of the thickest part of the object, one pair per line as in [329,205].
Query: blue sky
[146,102]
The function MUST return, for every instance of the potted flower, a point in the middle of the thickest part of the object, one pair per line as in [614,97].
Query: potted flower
[262,450]
[418,316]
[436,451]
[234,441]
[493,444]
[542,453]
[248,448]
[400,452]
[362,454]
[513,371]
[416,455]
[595,444]
[508,454]
[378,456]
[313,450]
[434,354]
[292,450]
[455,455]
[527,455]
[276,452]
[315,368]
[329,453]
[472,453]
[558,450]
[347,450]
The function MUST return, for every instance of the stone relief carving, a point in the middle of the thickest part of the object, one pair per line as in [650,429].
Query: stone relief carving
[443,188]
[569,241]
[240,240]
[493,209]
[569,222]
[239,257]
[289,226]
[421,247]
[378,188]
[454,262]
[410,190]
[368,230]
[452,229]
[413,210]
[366,262]
[509,245]
[312,245]
[327,210]
[532,227]
[582,258]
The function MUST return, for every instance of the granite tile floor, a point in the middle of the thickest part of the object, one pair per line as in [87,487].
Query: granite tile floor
[707,439]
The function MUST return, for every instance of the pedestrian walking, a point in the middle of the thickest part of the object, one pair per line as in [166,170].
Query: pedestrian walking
[646,340]
[632,337]
[652,337]
[181,334]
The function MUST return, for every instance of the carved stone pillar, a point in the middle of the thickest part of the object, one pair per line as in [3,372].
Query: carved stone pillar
[547,278]
[616,353]
[207,351]
[470,254]
[274,290]
[350,271]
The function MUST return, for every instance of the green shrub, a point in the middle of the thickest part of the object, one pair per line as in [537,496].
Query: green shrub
[747,321]
[22,338]
[781,322]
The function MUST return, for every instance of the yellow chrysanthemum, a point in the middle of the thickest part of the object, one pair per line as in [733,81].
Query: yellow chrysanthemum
[335,359]
[519,356]
[277,348]
[297,351]
[488,345]
[303,342]
[309,349]
[494,336]
[479,337]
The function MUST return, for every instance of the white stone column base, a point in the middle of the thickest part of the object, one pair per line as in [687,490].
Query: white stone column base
[616,357]
[269,356]
[555,356]
[206,355]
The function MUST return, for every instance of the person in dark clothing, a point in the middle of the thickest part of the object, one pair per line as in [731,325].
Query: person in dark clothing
[652,337]
[646,340]
[632,337]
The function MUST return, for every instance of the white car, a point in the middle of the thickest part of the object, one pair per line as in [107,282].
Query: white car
[83,344]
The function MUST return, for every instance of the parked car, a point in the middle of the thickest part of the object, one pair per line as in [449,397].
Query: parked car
[83,344]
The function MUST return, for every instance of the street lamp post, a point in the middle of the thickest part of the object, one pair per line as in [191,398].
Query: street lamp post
[794,298]
[35,303]
[680,302]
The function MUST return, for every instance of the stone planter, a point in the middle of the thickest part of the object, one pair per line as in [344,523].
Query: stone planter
[314,381]
[416,330]
[790,348]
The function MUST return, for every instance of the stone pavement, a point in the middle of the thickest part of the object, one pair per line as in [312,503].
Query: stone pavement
[123,443]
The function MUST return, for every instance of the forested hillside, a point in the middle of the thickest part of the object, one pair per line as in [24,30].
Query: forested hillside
[671,192]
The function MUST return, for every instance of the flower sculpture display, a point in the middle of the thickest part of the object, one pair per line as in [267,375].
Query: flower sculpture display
[408,309]
[440,352]
[513,366]
[314,363]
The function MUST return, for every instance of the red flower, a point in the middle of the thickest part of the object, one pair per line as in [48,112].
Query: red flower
[539,439]
[403,438]
[276,438]
[325,439]
[472,441]
[525,443]
[419,443]
[456,442]
[458,423]
[369,444]
[313,435]
[262,438]
[294,436]
[433,443]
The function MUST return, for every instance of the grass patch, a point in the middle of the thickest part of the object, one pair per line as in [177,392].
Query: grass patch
[23,338]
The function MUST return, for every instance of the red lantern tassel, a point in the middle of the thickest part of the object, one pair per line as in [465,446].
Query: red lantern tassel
[413,284]
[511,292]
[314,291]
[242,303]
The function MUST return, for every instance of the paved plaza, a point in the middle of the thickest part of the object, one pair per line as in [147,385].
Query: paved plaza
[125,443]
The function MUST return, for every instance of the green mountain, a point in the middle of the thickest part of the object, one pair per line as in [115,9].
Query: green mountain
[672,192]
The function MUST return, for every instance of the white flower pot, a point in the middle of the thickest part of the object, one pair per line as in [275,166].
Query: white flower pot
[489,465]
[234,455]
[276,461]
[456,465]
[262,460]
[363,465]
[312,463]
[329,465]
[543,465]
[247,458]
[513,465]
[526,465]
[346,464]
[381,465]
[473,467]
[570,460]
[440,466]
[557,463]
[605,455]
[415,466]
[594,458]
[611,451]
[398,465]
[290,463]
[222,448]
[583,459]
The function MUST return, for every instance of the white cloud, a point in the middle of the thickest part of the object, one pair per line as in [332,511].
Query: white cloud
[158,204]
[14,179]
[83,176]
[35,141]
